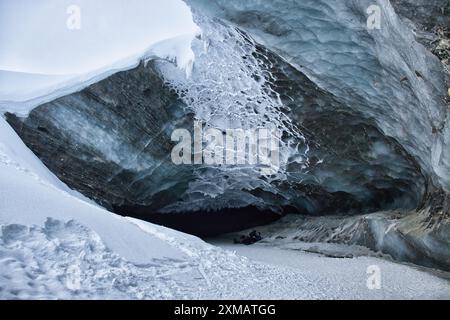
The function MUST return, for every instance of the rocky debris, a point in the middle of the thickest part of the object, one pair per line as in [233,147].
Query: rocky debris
[430,21]
[441,46]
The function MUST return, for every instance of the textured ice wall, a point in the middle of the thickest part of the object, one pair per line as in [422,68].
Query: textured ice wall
[364,103]
[383,74]
[229,88]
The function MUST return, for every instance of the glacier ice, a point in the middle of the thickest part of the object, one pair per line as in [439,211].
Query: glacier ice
[329,42]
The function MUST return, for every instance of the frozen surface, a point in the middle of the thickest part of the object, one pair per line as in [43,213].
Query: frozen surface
[229,89]
[337,278]
[382,74]
[408,236]
[17,86]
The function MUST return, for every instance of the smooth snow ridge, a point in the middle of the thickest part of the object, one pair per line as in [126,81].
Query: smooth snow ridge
[22,92]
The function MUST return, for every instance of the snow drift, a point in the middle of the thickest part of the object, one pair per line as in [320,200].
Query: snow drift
[363,114]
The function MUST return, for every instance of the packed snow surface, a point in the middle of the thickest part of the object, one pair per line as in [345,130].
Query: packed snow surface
[54,244]
[322,277]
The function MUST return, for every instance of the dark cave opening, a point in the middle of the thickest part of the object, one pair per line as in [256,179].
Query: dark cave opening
[204,224]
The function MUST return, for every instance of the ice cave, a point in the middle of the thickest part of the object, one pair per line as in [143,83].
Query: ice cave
[364,150]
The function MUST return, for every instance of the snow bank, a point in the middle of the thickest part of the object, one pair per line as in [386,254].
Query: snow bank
[37,36]
[40,62]
[17,86]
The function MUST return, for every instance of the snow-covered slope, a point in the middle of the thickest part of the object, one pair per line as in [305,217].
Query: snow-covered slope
[17,86]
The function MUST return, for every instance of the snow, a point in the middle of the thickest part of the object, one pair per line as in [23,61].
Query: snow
[13,152]
[16,86]
[21,92]
[35,36]
[109,41]
[334,278]
[177,50]
[55,245]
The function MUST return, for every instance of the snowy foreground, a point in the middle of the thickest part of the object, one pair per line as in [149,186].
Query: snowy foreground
[56,244]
